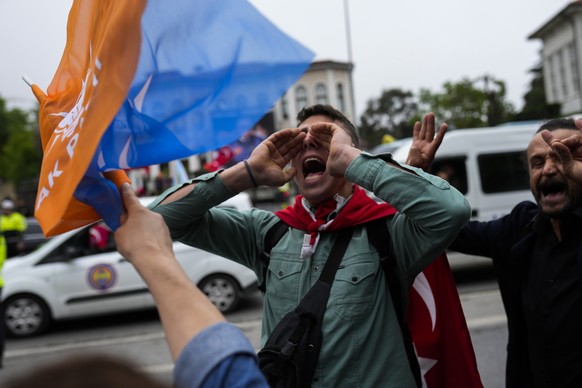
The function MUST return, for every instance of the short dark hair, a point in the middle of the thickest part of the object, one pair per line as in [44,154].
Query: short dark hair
[555,124]
[332,113]
[91,370]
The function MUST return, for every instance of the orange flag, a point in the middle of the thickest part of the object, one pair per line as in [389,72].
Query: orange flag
[80,105]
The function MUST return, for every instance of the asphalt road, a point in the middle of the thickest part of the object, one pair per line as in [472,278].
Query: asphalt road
[138,337]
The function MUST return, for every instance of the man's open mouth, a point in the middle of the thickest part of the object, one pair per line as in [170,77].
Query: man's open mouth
[552,191]
[313,167]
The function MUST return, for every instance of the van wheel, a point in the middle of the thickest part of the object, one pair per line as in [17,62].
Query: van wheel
[222,290]
[25,316]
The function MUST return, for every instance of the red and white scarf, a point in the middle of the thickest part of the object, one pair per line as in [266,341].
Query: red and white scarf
[358,209]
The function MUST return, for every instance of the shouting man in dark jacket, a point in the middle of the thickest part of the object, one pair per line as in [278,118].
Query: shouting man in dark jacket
[537,255]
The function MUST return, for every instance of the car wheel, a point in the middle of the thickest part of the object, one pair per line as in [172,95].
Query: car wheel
[25,316]
[222,290]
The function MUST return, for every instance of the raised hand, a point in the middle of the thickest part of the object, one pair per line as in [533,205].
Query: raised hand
[269,160]
[143,233]
[339,144]
[424,142]
[569,152]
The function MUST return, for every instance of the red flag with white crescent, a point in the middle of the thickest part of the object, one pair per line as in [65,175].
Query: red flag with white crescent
[439,331]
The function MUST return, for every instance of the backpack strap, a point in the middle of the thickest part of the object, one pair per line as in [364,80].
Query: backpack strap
[379,236]
[271,239]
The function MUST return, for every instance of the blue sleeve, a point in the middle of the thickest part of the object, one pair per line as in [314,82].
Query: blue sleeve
[220,356]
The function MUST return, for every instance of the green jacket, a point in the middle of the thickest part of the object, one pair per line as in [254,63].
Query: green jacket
[362,344]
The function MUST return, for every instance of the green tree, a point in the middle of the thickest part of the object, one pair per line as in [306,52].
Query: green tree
[20,157]
[390,114]
[469,103]
[535,106]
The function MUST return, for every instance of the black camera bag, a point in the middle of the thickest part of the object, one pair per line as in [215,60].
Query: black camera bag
[290,355]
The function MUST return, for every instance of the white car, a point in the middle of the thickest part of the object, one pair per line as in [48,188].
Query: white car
[67,277]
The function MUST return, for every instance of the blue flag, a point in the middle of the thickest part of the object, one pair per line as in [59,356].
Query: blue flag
[206,71]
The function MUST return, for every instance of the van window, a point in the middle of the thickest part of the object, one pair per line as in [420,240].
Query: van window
[503,172]
[453,170]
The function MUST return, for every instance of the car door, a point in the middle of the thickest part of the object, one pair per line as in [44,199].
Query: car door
[93,280]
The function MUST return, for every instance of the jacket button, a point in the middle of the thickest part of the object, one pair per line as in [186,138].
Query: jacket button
[354,279]
[280,273]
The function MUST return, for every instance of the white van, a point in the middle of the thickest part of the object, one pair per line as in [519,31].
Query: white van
[487,165]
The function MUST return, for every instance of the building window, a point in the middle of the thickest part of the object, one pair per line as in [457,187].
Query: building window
[564,79]
[301,97]
[341,98]
[574,68]
[553,81]
[321,94]
[284,107]
[554,76]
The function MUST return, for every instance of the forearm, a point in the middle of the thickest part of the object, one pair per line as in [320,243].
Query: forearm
[182,205]
[430,211]
[184,310]
[235,178]
[419,195]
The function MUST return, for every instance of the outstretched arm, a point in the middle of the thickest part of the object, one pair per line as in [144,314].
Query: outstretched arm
[569,152]
[424,142]
[267,165]
[144,240]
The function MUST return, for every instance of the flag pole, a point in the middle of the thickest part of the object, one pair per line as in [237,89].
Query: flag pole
[38,93]
[348,30]
[27,80]
[350,59]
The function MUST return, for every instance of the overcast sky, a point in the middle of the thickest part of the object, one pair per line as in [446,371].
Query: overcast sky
[404,44]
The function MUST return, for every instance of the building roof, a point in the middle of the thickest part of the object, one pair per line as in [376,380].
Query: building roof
[564,15]
[330,64]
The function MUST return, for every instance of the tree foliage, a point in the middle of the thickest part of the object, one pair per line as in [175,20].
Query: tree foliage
[390,114]
[469,103]
[20,156]
[535,106]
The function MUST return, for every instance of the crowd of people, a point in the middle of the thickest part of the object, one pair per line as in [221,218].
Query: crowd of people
[536,251]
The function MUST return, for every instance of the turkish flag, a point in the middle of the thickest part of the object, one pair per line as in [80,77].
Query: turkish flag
[439,331]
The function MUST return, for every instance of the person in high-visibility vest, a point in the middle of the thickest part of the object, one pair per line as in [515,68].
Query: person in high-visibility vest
[13,224]
[2,259]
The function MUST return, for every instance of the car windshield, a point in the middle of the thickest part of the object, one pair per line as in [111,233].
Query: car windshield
[33,237]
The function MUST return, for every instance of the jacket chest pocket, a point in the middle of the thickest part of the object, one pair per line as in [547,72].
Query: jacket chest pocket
[354,288]
[284,278]
[283,283]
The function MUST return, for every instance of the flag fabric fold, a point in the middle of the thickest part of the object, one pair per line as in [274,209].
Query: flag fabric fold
[439,331]
[143,83]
